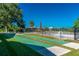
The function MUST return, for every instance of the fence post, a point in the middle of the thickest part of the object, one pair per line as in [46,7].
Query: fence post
[75,29]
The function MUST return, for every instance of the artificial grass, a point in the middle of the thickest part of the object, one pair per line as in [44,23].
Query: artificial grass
[23,50]
[14,48]
[19,46]
[26,40]
[50,40]
[73,51]
[45,39]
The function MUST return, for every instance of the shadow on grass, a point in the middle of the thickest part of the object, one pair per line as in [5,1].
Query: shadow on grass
[19,49]
[41,50]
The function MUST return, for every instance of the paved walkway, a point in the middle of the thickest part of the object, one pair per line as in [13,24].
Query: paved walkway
[72,45]
[58,50]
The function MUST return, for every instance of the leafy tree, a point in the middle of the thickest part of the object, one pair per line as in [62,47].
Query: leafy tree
[76,27]
[31,23]
[10,13]
[46,29]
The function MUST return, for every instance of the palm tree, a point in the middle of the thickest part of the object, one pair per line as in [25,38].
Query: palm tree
[40,26]
[31,24]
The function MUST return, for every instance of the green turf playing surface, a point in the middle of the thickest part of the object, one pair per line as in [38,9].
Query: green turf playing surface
[45,39]
[30,41]
[37,40]
[28,44]
[50,40]
[31,45]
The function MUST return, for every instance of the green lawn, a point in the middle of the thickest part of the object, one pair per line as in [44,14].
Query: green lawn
[19,45]
[73,51]
[11,47]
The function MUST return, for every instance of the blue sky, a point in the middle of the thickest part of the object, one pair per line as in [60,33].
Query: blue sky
[51,14]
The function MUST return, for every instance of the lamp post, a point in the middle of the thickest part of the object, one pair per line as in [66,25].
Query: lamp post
[50,30]
[60,33]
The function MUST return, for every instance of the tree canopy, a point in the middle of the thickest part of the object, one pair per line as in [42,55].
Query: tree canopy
[31,23]
[76,28]
[9,14]
[76,23]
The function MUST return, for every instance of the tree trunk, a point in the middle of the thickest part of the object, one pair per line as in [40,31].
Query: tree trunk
[6,29]
[14,31]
